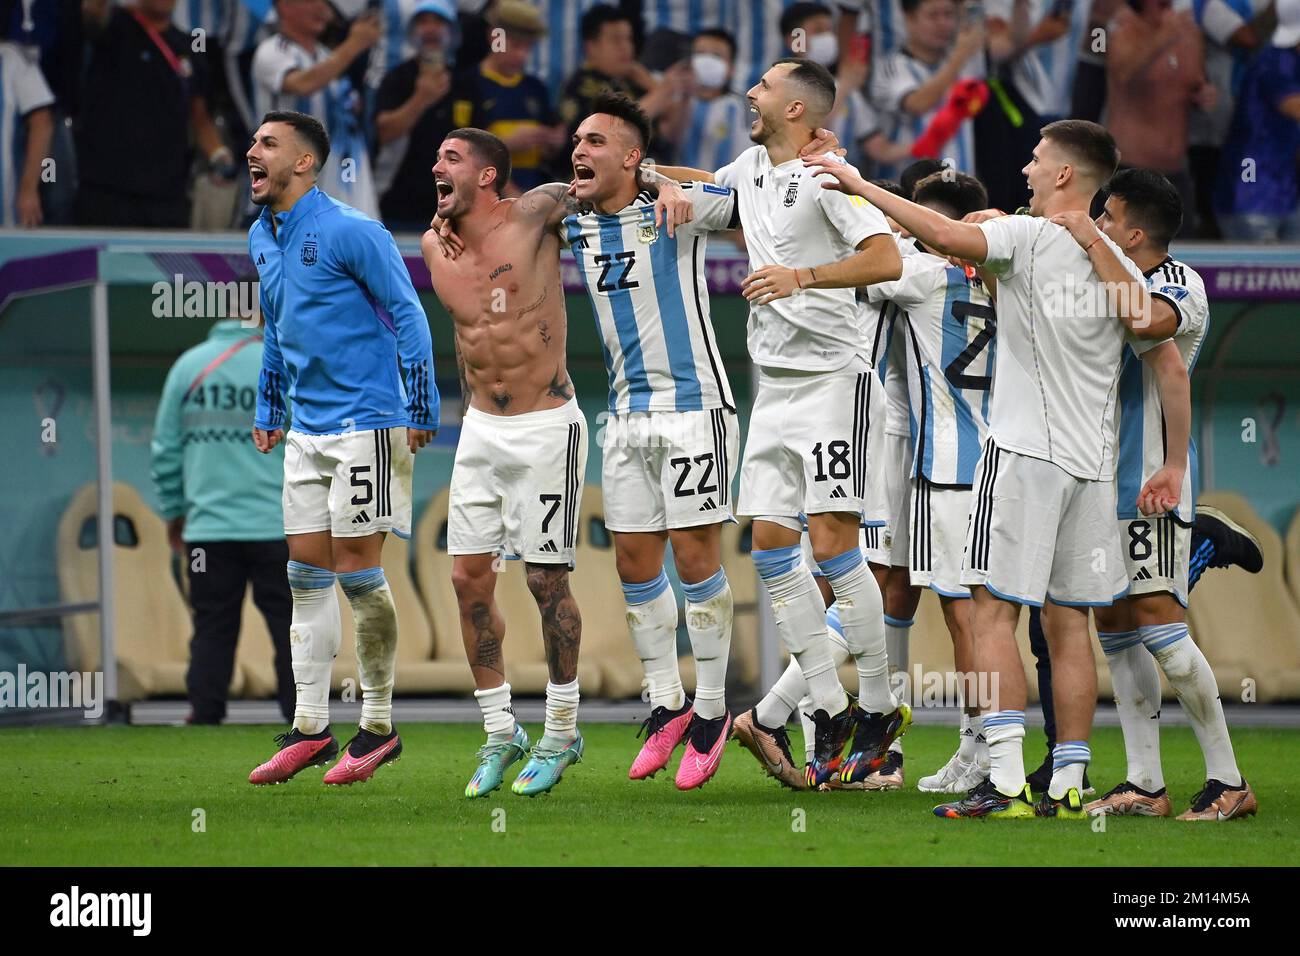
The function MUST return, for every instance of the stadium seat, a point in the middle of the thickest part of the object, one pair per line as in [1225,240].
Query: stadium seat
[605,640]
[1247,623]
[152,625]
[1292,544]
[525,653]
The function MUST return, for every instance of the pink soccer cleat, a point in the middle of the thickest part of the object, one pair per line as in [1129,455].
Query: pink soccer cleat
[297,752]
[365,753]
[706,741]
[664,731]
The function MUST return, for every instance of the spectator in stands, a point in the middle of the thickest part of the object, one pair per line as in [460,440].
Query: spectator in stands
[26,116]
[1155,75]
[912,84]
[757,25]
[513,105]
[413,114]
[809,30]
[1258,196]
[221,501]
[1088,101]
[144,97]
[1230,40]
[610,64]
[294,70]
[714,127]
[559,56]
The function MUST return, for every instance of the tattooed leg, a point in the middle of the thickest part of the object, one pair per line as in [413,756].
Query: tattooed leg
[561,622]
[482,627]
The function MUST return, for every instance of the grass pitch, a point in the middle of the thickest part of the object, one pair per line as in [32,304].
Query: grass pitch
[129,796]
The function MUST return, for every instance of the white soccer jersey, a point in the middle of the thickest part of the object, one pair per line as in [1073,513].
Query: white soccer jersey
[333,105]
[1141,414]
[950,330]
[651,302]
[897,76]
[1060,347]
[791,221]
[22,91]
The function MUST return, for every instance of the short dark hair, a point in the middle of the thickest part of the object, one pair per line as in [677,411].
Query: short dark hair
[914,173]
[1151,202]
[1089,144]
[815,78]
[958,193]
[889,186]
[798,13]
[717,33]
[309,128]
[594,20]
[488,150]
[628,110]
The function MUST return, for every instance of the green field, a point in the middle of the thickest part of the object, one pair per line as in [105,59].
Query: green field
[128,796]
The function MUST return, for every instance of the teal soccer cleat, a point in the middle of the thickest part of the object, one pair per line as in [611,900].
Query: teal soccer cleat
[493,761]
[545,767]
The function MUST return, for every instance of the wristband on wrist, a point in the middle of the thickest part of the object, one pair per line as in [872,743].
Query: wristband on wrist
[1093,243]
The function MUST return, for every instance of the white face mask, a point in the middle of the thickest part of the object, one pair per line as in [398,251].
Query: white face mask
[824,48]
[710,70]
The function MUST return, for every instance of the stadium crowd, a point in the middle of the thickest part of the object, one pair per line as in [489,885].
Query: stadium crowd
[137,114]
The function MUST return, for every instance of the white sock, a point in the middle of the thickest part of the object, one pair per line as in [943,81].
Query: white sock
[376,623]
[314,637]
[708,621]
[1136,681]
[1005,732]
[561,713]
[862,615]
[897,632]
[1193,681]
[1070,759]
[801,621]
[498,715]
[809,728]
[790,692]
[652,621]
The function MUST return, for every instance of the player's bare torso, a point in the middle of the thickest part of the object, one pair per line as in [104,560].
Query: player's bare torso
[507,303]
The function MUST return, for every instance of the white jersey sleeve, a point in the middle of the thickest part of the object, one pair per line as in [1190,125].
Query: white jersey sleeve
[891,82]
[1182,289]
[30,91]
[714,207]
[910,289]
[1005,237]
[852,216]
[731,174]
[274,60]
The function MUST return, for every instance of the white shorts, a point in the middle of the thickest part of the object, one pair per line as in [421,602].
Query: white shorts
[1156,552]
[890,485]
[350,485]
[1038,533]
[806,450]
[516,484]
[666,470]
[937,535]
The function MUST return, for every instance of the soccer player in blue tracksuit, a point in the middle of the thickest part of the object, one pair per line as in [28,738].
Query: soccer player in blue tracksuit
[347,344]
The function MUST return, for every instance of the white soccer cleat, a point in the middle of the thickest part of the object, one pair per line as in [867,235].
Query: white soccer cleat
[956,776]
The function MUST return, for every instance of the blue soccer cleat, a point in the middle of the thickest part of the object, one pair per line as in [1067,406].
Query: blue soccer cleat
[545,767]
[493,761]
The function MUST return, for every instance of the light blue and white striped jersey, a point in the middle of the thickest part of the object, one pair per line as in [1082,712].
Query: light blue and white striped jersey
[888,28]
[686,16]
[950,328]
[22,90]
[717,131]
[756,25]
[211,16]
[334,105]
[557,56]
[245,29]
[898,75]
[852,122]
[651,302]
[1141,415]
[1044,75]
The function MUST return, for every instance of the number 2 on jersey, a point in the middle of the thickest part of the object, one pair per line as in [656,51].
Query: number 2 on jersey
[956,370]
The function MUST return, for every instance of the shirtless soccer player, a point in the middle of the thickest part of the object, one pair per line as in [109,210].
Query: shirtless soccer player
[1042,526]
[671,442]
[808,435]
[517,480]
[340,315]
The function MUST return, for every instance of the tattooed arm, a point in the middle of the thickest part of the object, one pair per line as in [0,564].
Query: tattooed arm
[550,203]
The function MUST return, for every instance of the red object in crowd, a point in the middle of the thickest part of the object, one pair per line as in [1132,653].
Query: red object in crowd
[965,99]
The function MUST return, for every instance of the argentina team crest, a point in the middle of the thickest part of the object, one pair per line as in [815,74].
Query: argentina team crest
[647,232]
[309,252]
[791,193]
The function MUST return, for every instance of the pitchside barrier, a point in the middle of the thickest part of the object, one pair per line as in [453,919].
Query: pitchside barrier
[90,323]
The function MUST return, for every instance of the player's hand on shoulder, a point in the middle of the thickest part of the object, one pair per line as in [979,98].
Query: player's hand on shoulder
[264,440]
[823,141]
[443,237]
[1162,492]
[834,175]
[769,283]
[417,438]
[1079,224]
[983,215]
[672,208]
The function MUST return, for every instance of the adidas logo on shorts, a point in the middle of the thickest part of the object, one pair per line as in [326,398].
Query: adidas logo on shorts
[708,505]
[1142,575]
[361,518]
[838,492]
[549,547]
